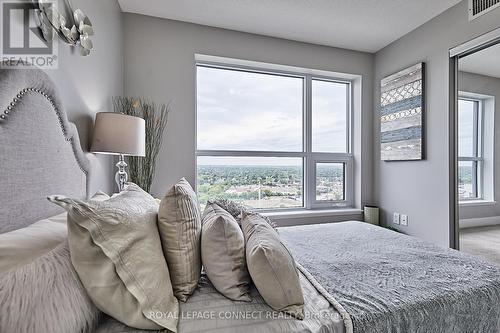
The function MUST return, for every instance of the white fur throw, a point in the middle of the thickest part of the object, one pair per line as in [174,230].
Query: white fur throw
[46,296]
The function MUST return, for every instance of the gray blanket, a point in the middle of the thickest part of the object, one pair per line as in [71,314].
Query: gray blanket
[389,282]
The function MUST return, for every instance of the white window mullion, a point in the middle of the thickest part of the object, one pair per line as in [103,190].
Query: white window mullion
[470,159]
[350,125]
[475,132]
[348,161]
[309,177]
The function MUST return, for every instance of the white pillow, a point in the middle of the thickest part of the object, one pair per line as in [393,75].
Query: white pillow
[116,251]
[179,223]
[19,247]
[272,267]
[223,254]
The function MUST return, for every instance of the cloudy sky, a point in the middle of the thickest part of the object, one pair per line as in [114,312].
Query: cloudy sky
[249,111]
[465,128]
[254,161]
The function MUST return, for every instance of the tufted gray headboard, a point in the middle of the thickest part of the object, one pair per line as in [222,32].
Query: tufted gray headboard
[40,152]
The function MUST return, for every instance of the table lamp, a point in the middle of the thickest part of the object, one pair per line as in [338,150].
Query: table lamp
[119,134]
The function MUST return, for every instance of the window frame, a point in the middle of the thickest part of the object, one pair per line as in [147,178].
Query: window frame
[309,158]
[478,149]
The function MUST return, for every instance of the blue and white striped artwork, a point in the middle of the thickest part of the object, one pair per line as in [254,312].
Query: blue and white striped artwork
[401,115]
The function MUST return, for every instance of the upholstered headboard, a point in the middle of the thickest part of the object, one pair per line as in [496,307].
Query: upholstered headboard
[40,152]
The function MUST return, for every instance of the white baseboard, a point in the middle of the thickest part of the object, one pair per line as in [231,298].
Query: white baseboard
[479,222]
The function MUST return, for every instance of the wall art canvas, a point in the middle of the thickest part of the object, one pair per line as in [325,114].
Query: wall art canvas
[402,115]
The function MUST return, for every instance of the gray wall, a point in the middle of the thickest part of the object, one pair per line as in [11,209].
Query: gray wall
[160,64]
[420,189]
[490,86]
[87,84]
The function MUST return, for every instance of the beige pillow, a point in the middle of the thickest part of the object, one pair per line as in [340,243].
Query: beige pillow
[272,267]
[116,251]
[223,253]
[179,222]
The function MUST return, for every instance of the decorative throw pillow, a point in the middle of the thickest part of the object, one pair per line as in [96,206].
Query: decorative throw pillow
[272,267]
[45,295]
[100,196]
[237,210]
[223,253]
[116,250]
[179,223]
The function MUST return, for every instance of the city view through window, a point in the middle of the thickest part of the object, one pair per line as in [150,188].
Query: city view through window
[468,149]
[266,186]
[250,138]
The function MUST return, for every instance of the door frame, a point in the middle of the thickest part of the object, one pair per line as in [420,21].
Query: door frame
[455,53]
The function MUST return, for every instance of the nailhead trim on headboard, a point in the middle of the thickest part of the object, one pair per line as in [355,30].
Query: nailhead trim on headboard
[22,93]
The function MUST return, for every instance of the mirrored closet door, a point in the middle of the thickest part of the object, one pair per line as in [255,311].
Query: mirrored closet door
[477,147]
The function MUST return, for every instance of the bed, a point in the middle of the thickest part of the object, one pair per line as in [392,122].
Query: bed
[41,155]
[356,278]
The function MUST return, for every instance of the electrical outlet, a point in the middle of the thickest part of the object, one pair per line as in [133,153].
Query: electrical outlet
[396,218]
[404,219]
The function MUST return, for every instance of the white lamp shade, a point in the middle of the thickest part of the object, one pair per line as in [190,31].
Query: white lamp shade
[117,133]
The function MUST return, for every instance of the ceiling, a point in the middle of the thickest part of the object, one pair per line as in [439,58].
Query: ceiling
[485,62]
[363,25]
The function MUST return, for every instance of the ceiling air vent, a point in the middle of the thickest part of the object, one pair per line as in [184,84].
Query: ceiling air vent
[481,7]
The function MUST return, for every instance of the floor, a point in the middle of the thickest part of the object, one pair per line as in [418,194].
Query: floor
[482,241]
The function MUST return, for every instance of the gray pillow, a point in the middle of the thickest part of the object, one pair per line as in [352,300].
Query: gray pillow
[46,295]
[237,210]
[223,254]
[179,223]
[272,267]
[116,250]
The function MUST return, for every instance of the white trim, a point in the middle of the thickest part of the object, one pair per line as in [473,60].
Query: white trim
[479,222]
[348,162]
[283,215]
[471,203]
[472,95]
[475,44]
[309,184]
[263,66]
[478,149]
[485,145]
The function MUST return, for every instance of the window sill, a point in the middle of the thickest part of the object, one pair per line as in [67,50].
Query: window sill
[470,203]
[312,213]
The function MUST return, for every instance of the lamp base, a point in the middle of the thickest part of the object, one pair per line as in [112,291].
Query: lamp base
[121,176]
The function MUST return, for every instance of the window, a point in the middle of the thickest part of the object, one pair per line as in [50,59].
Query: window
[470,149]
[330,180]
[273,140]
